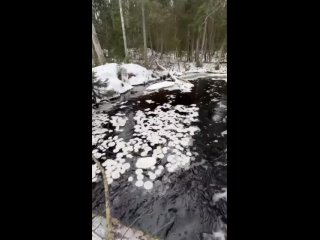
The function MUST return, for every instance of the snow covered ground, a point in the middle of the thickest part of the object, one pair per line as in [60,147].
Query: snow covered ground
[109,72]
[191,67]
[164,84]
[138,75]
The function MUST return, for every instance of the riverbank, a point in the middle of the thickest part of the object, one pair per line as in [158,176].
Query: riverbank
[111,74]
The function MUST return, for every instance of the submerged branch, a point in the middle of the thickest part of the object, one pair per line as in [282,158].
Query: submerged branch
[109,231]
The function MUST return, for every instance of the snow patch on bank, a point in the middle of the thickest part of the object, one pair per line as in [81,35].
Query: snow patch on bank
[138,75]
[170,86]
[109,73]
[160,85]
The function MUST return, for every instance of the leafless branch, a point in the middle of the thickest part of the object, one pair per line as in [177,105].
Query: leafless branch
[109,231]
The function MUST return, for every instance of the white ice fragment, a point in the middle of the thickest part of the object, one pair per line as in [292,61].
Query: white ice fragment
[148,185]
[140,176]
[130,179]
[139,183]
[126,166]
[115,175]
[143,154]
[152,176]
[157,151]
[109,163]
[109,180]
[94,169]
[184,142]
[179,135]
[119,155]
[146,162]
[97,155]
[222,195]
[160,156]
[164,150]
[160,85]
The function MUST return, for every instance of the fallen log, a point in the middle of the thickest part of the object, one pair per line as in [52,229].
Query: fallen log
[170,73]
[160,67]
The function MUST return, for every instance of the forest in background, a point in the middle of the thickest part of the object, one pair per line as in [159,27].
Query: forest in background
[190,30]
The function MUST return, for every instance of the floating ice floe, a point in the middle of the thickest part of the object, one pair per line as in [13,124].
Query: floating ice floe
[146,162]
[160,85]
[224,133]
[222,195]
[148,185]
[94,169]
[139,183]
[118,122]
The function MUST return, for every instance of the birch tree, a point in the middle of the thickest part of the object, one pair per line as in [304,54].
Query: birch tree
[97,47]
[144,34]
[123,31]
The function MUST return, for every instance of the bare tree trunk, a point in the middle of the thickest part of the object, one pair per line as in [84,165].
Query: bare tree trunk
[109,230]
[188,44]
[93,57]
[205,50]
[112,15]
[157,42]
[198,62]
[123,32]
[144,34]
[211,42]
[97,47]
[192,46]
[150,40]
[175,37]
[220,53]
[203,38]
[161,45]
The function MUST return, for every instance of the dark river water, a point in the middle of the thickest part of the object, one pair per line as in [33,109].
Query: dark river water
[188,204]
